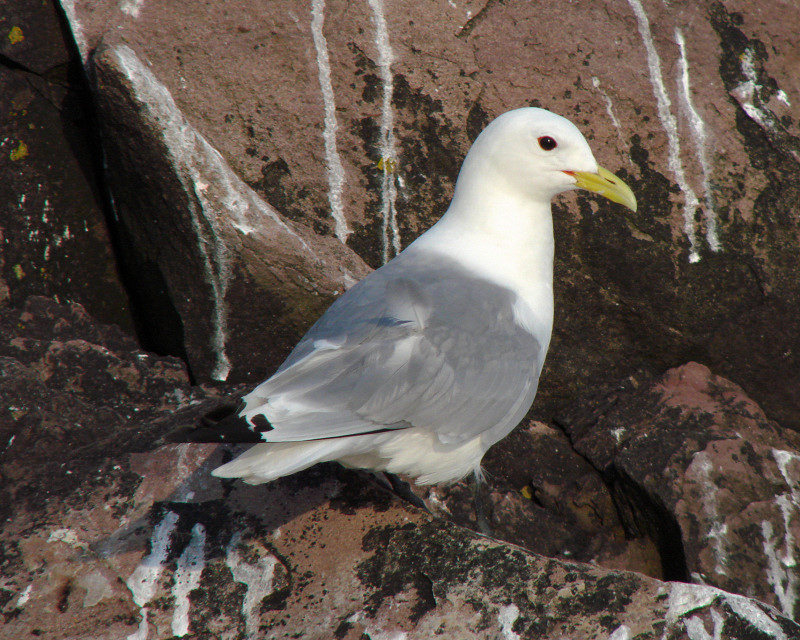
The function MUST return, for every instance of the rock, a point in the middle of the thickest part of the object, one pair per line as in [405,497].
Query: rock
[112,534]
[242,283]
[352,121]
[545,497]
[72,395]
[53,235]
[320,557]
[693,463]
[31,38]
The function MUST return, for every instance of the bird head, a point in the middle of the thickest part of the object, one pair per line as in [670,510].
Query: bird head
[542,154]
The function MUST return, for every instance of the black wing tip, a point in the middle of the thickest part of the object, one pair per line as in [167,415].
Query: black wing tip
[221,424]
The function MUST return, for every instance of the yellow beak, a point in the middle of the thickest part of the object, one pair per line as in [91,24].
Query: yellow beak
[607,185]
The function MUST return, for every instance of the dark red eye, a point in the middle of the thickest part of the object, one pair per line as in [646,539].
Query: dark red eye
[547,143]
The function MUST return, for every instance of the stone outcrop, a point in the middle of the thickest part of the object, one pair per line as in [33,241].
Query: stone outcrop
[695,465]
[257,159]
[105,532]
[244,283]
[544,496]
[53,235]
[350,121]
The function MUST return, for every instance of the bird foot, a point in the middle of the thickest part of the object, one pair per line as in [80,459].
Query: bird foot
[403,490]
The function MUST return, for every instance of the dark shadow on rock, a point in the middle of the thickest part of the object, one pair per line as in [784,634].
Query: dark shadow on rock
[644,515]
[230,511]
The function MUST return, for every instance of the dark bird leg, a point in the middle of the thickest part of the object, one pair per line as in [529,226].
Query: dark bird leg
[403,490]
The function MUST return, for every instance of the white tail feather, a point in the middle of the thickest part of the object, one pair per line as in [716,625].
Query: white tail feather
[269,461]
[414,452]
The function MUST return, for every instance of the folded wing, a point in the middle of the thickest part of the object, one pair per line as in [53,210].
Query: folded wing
[421,342]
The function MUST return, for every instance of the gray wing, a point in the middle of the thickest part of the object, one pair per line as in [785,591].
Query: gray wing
[420,342]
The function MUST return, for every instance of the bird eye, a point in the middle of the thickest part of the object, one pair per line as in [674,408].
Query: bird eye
[547,143]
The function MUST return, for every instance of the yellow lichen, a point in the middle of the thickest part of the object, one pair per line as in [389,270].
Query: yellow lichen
[20,152]
[15,35]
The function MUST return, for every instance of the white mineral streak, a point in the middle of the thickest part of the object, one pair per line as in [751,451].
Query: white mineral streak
[753,612]
[258,579]
[131,7]
[98,588]
[664,107]
[688,598]
[609,104]
[187,578]
[388,151]
[747,93]
[68,6]
[698,127]
[65,535]
[701,469]
[182,143]
[334,162]
[506,618]
[696,628]
[622,632]
[24,596]
[216,196]
[781,563]
[685,598]
[143,582]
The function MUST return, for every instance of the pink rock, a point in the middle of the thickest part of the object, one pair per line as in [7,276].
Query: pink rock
[694,464]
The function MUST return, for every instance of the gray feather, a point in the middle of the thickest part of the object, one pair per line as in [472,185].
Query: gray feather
[420,342]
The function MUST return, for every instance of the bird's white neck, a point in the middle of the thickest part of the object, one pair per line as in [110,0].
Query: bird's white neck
[503,237]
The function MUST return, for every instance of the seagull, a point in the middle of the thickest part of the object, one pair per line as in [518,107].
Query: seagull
[431,359]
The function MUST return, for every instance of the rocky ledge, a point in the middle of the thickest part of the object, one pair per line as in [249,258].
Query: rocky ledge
[104,528]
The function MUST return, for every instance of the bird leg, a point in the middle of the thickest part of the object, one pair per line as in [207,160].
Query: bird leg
[403,490]
[480,513]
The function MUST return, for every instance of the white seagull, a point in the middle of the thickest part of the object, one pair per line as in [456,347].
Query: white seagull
[431,359]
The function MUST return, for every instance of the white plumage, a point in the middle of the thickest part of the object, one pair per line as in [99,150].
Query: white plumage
[434,357]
